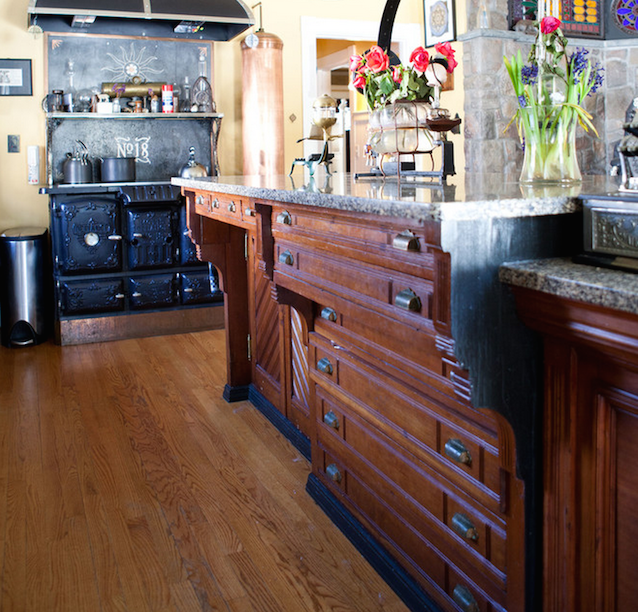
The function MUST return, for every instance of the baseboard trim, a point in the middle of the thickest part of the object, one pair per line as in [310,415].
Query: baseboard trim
[281,423]
[406,588]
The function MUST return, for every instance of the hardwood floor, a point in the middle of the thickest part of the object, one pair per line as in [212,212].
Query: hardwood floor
[128,484]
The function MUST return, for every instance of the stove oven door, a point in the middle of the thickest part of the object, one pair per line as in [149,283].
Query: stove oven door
[86,235]
[156,291]
[103,295]
[151,234]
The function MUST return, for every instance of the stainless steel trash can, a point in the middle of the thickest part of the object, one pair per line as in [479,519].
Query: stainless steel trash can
[25,279]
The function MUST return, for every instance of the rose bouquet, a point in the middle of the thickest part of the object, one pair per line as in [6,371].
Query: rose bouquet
[383,83]
[551,88]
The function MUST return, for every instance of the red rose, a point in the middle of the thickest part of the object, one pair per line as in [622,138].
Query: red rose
[356,61]
[377,59]
[420,59]
[359,81]
[396,74]
[445,49]
[550,24]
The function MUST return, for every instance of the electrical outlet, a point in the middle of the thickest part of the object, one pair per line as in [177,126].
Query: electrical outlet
[13,144]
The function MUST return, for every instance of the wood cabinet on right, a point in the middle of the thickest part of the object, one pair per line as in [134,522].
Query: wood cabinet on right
[590,438]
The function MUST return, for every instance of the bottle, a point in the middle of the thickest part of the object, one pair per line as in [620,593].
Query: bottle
[202,94]
[186,104]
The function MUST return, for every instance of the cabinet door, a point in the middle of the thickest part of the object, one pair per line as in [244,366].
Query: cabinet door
[151,237]
[86,235]
[590,519]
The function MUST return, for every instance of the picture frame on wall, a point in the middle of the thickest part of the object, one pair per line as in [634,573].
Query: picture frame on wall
[15,77]
[440,21]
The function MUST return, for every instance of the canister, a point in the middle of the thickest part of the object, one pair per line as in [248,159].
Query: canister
[167,99]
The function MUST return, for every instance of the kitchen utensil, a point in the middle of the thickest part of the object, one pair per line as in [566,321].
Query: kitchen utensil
[118,169]
[192,169]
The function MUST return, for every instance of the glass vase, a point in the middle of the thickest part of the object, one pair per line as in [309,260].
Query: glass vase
[549,140]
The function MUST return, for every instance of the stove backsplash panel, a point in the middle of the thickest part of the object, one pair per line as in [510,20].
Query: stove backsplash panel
[160,146]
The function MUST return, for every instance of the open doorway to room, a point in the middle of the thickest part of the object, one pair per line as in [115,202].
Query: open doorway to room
[327,45]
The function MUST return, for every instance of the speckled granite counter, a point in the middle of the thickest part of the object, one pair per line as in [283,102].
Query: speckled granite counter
[465,196]
[599,286]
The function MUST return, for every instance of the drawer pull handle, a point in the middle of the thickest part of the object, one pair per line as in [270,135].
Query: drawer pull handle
[137,235]
[232,207]
[406,241]
[333,473]
[136,294]
[284,217]
[115,237]
[464,599]
[408,300]
[199,200]
[215,203]
[286,258]
[331,420]
[188,290]
[250,212]
[455,450]
[119,296]
[324,365]
[464,527]
[329,314]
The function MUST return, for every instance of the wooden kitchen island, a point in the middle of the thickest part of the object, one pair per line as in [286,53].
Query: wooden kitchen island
[367,321]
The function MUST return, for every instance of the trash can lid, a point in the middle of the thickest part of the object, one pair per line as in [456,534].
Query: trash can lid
[23,233]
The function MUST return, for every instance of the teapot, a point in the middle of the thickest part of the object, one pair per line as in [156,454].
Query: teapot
[192,169]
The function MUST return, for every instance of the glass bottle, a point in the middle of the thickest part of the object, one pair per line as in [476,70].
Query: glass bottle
[202,93]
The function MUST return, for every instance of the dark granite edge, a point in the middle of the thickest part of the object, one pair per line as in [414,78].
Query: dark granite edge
[612,289]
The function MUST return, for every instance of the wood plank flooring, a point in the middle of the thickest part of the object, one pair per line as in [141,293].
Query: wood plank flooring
[128,484]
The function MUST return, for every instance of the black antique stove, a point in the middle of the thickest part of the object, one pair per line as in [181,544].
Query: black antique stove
[124,248]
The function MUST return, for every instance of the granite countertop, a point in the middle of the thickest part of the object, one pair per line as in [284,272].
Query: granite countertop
[463,197]
[598,286]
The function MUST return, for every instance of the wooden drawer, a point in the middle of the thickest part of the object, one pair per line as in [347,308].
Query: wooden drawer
[416,492]
[230,209]
[462,451]
[394,294]
[394,244]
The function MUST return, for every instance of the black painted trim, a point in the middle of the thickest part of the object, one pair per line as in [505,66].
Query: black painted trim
[235,394]
[408,590]
[286,427]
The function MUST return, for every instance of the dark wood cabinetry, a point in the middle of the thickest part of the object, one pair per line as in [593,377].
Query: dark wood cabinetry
[590,435]
[347,335]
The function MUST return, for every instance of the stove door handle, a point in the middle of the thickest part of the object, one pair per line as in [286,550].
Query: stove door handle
[115,237]
[137,235]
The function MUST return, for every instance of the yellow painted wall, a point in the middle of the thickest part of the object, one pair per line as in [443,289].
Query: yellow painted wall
[20,204]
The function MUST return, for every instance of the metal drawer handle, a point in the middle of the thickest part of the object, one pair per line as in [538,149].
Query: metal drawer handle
[408,300]
[286,258]
[136,294]
[332,471]
[199,200]
[284,217]
[215,203]
[464,599]
[455,450]
[331,420]
[324,365]
[329,314]
[232,207]
[137,235]
[250,212]
[406,241]
[119,296]
[464,527]
[188,290]
[115,237]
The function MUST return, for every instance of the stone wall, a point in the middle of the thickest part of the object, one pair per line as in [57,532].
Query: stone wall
[490,102]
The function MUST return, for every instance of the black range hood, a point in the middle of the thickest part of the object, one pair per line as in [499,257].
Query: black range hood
[182,19]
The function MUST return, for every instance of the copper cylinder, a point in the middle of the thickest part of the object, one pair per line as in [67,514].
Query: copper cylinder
[263,105]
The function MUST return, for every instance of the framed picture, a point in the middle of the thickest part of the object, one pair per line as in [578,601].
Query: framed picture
[439,21]
[15,77]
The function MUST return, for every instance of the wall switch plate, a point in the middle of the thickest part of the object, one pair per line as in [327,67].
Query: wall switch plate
[13,144]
